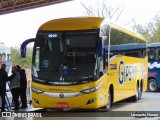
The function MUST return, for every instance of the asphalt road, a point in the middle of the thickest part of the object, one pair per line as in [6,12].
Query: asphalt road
[147,108]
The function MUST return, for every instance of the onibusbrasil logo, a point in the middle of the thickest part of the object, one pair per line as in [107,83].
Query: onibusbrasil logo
[21,114]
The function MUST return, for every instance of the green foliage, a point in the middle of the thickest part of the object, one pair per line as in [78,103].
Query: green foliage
[151,31]
[17,60]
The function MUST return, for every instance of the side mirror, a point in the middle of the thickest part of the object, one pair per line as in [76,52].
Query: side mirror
[23,46]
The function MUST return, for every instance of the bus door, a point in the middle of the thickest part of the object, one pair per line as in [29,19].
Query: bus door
[117,72]
[116,67]
[112,59]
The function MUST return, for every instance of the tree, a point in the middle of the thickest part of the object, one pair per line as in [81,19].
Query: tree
[17,60]
[156,33]
[151,31]
[103,9]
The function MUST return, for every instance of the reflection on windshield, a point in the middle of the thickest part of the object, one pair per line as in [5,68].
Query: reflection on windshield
[65,56]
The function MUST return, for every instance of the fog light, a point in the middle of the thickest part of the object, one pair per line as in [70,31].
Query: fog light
[36,101]
[91,101]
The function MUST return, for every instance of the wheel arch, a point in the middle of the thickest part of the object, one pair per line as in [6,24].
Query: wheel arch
[151,77]
[111,89]
[152,84]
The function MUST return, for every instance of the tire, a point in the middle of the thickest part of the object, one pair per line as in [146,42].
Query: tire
[137,96]
[152,85]
[109,104]
[140,92]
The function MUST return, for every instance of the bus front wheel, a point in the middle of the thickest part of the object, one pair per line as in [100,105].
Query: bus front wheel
[152,85]
[109,104]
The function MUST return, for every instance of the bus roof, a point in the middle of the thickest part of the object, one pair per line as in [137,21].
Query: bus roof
[153,45]
[122,29]
[73,23]
[83,23]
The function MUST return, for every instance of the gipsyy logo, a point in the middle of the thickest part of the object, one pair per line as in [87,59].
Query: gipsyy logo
[121,72]
[127,72]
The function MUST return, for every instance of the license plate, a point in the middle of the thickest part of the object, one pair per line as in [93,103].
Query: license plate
[62,105]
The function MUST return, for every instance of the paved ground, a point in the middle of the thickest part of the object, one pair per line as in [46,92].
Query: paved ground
[149,104]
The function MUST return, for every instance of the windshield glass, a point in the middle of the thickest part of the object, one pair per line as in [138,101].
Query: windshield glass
[65,56]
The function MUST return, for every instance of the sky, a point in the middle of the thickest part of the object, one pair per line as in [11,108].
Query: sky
[19,26]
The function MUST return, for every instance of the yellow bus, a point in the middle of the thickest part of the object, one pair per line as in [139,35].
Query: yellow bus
[86,62]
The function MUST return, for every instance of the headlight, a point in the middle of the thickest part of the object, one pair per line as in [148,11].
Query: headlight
[92,89]
[37,91]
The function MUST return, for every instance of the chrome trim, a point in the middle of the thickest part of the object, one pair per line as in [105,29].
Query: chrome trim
[61,83]
[39,80]
[66,95]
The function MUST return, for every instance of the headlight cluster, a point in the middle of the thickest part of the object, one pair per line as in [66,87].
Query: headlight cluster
[87,91]
[37,91]
[92,89]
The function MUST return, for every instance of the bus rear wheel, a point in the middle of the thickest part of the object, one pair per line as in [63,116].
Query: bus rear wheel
[136,97]
[152,85]
[140,91]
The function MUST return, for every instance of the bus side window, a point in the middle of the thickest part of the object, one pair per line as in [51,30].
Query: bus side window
[152,54]
[136,53]
[158,54]
[114,53]
[151,57]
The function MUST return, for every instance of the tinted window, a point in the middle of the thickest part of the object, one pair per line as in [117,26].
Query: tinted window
[129,45]
[152,54]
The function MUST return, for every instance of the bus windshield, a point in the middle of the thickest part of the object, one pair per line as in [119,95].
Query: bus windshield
[65,57]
